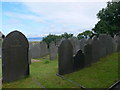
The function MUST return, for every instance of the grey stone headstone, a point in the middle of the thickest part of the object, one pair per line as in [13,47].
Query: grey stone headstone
[79,60]
[109,46]
[103,45]
[53,51]
[43,49]
[35,51]
[88,54]
[82,44]
[95,49]
[89,41]
[15,57]
[76,44]
[118,44]
[65,57]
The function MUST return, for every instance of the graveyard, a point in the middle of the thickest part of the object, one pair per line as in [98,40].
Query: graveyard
[99,75]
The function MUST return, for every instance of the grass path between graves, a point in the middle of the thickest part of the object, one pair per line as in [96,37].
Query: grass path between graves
[99,75]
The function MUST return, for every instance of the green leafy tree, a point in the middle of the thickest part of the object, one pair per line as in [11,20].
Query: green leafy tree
[109,19]
[66,35]
[85,34]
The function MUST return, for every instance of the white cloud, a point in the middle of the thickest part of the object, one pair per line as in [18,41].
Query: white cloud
[55,0]
[24,16]
[82,14]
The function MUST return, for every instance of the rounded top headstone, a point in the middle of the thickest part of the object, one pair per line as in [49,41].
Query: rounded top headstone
[15,39]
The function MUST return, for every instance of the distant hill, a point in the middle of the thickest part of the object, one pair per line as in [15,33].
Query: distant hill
[35,38]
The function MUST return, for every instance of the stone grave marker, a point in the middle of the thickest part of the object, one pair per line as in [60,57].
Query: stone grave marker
[82,44]
[88,54]
[15,57]
[95,49]
[65,57]
[79,60]
[53,51]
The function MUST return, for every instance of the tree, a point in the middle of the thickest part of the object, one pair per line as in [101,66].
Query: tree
[85,34]
[109,19]
[66,35]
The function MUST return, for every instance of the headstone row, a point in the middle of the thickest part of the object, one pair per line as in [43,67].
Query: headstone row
[89,51]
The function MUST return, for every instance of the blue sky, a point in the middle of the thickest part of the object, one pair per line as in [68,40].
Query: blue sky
[42,18]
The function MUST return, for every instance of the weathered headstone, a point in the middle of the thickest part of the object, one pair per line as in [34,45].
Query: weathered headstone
[82,44]
[88,54]
[43,49]
[65,57]
[118,44]
[53,51]
[95,49]
[15,57]
[35,50]
[76,44]
[109,44]
[103,45]
[79,60]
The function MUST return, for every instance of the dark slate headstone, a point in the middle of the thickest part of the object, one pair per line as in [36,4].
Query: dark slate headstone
[30,56]
[82,44]
[88,54]
[95,49]
[35,50]
[15,57]
[79,60]
[53,51]
[65,57]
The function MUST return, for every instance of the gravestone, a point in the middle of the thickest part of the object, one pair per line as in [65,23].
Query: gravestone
[53,51]
[103,45]
[76,44]
[15,57]
[79,60]
[43,49]
[65,57]
[89,41]
[118,44]
[109,44]
[88,54]
[95,49]
[30,56]
[82,44]
[35,50]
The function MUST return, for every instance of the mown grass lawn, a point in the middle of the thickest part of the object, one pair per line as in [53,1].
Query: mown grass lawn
[99,75]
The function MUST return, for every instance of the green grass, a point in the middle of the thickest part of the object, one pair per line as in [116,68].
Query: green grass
[100,75]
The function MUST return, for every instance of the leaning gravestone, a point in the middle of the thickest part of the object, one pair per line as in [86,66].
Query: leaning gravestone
[15,57]
[88,54]
[53,51]
[65,57]
[95,49]
[79,60]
